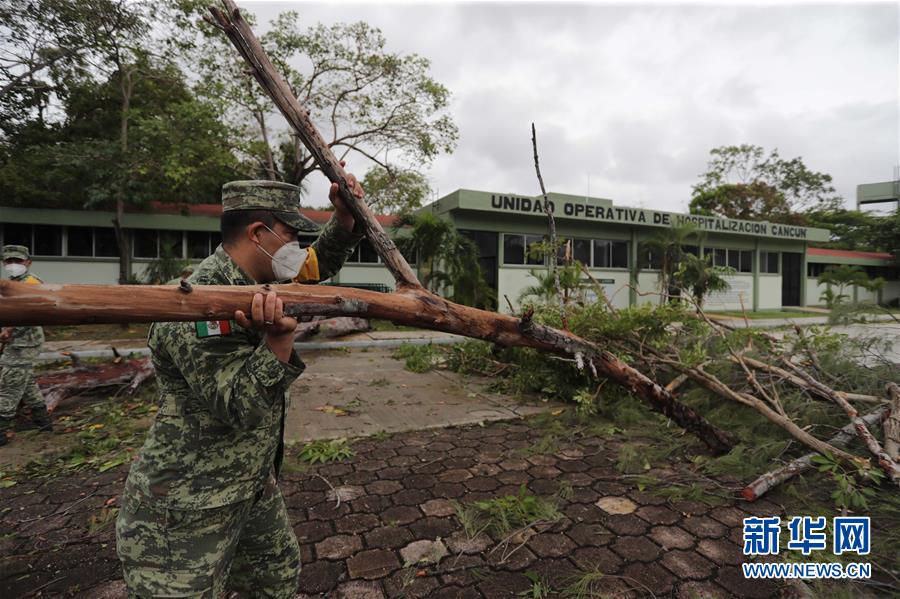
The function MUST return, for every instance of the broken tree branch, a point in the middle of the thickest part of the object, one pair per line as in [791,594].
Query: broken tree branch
[22,304]
[552,225]
[891,425]
[890,467]
[770,480]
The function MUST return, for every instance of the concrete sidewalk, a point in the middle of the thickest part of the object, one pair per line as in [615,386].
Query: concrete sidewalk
[773,323]
[94,348]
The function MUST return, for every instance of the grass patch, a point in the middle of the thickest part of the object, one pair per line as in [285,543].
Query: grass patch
[419,358]
[502,515]
[320,452]
[584,585]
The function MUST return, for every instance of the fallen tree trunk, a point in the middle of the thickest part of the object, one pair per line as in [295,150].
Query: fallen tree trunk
[22,304]
[58,386]
[770,480]
[329,328]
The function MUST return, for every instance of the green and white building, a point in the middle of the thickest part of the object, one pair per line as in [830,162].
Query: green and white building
[774,265]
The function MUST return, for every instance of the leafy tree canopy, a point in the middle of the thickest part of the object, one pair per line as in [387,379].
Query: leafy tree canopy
[744,182]
[382,106]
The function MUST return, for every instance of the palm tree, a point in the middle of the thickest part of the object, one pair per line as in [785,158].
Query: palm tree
[669,245]
[448,260]
[700,278]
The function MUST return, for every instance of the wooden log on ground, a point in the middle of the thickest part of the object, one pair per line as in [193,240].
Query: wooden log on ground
[770,480]
[329,328]
[58,386]
[22,304]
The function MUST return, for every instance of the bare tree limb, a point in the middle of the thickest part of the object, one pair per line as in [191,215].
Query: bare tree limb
[770,480]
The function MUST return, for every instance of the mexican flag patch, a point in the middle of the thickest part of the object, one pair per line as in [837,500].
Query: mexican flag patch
[213,328]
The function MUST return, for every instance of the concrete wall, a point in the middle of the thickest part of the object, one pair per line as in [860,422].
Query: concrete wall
[511,280]
[648,282]
[617,291]
[814,292]
[87,272]
[769,292]
[740,295]
[890,291]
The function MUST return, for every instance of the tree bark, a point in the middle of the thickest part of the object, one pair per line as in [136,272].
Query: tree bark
[551,222]
[891,424]
[22,304]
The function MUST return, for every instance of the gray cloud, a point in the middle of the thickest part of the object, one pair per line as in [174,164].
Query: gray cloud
[634,97]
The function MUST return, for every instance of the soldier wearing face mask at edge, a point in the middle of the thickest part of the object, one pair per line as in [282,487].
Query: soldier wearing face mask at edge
[19,349]
[201,511]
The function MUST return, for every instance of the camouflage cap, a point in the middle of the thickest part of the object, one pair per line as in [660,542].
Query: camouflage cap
[281,199]
[16,251]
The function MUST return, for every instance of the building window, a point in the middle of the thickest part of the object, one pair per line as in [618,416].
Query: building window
[602,253]
[815,269]
[581,250]
[145,242]
[80,241]
[513,249]
[364,253]
[367,253]
[47,240]
[739,260]
[619,254]
[170,244]
[198,245]
[105,244]
[516,249]
[768,262]
[610,254]
[15,234]
[651,259]
[746,262]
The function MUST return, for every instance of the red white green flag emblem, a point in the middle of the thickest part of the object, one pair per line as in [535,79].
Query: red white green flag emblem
[213,328]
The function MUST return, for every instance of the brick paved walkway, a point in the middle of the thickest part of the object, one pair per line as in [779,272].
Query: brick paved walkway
[396,495]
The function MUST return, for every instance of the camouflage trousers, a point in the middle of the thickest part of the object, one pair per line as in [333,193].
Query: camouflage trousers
[247,547]
[17,385]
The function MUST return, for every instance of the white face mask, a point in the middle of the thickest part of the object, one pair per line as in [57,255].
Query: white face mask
[15,270]
[287,260]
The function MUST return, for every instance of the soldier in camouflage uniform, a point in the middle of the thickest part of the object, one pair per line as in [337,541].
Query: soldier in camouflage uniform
[20,348]
[201,511]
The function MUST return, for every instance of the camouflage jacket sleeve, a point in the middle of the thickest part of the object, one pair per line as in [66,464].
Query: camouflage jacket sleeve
[334,245]
[236,376]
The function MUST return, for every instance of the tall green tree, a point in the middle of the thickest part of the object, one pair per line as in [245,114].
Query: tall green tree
[395,191]
[380,105]
[744,182]
[130,130]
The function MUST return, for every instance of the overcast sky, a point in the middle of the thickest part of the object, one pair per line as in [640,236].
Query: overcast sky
[629,99]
